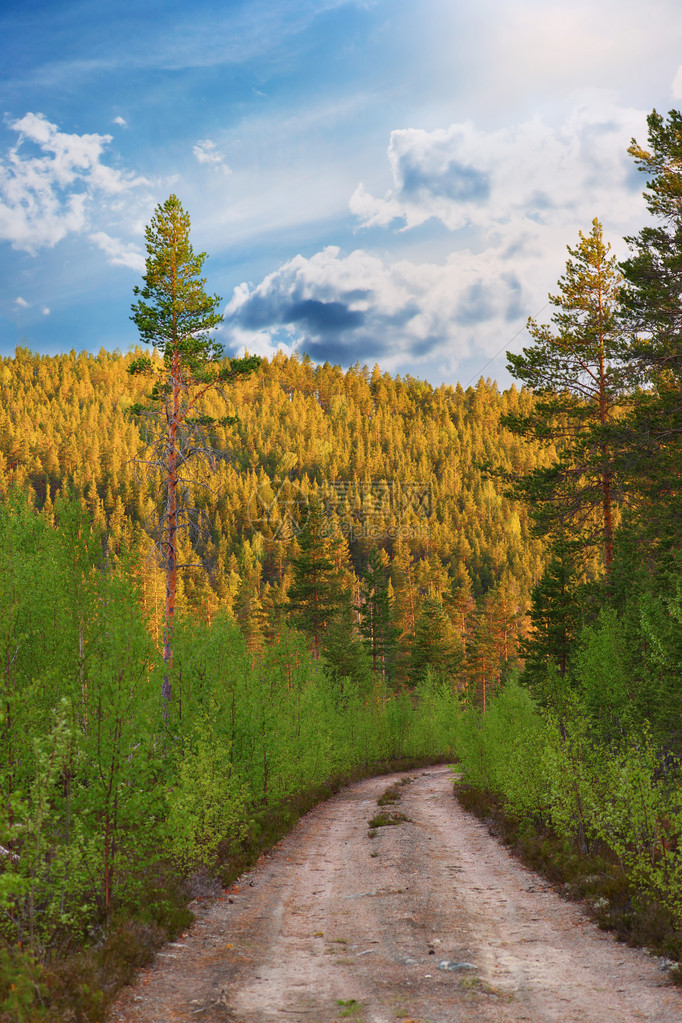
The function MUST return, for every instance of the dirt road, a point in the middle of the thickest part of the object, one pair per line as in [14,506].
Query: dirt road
[430,920]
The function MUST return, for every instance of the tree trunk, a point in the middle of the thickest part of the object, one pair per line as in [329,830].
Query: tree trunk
[606,475]
[608,521]
[172,535]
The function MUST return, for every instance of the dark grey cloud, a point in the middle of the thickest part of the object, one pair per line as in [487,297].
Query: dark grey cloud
[456,181]
[364,347]
[345,350]
[323,317]
[327,327]
[272,309]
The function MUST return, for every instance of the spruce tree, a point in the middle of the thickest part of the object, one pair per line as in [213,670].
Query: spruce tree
[437,647]
[375,614]
[317,591]
[406,606]
[460,604]
[555,618]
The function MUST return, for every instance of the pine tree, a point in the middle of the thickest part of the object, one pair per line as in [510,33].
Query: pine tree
[575,369]
[176,316]
[654,271]
[651,438]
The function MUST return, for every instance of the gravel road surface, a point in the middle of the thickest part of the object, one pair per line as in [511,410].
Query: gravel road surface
[429,921]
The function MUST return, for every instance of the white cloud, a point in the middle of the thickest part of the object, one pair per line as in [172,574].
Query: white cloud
[511,179]
[207,152]
[45,197]
[677,84]
[46,311]
[513,199]
[21,302]
[121,121]
[353,307]
[119,253]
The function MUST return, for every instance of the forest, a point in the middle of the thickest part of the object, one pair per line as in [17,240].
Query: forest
[230,585]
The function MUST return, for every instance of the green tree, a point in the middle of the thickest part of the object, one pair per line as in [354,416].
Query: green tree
[555,620]
[406,606]
[176,316]
[375,613]
[317,592]
[650,438]
[575,369]
[345,655]
[460,604]
[437,648]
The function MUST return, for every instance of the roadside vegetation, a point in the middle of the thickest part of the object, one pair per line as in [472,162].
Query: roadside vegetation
[601,821]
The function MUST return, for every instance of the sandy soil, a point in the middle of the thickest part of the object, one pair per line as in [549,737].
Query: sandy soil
[430,921]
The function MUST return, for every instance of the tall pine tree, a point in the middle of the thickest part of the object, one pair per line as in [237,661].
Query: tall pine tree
[176,316]
[651,438]
[575,370]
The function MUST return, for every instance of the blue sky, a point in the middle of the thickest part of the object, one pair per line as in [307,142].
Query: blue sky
[374,180]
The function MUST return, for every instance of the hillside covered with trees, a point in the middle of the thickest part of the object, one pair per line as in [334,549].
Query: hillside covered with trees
[393,464]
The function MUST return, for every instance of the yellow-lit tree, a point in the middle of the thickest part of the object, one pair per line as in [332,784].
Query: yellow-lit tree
[176,316]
